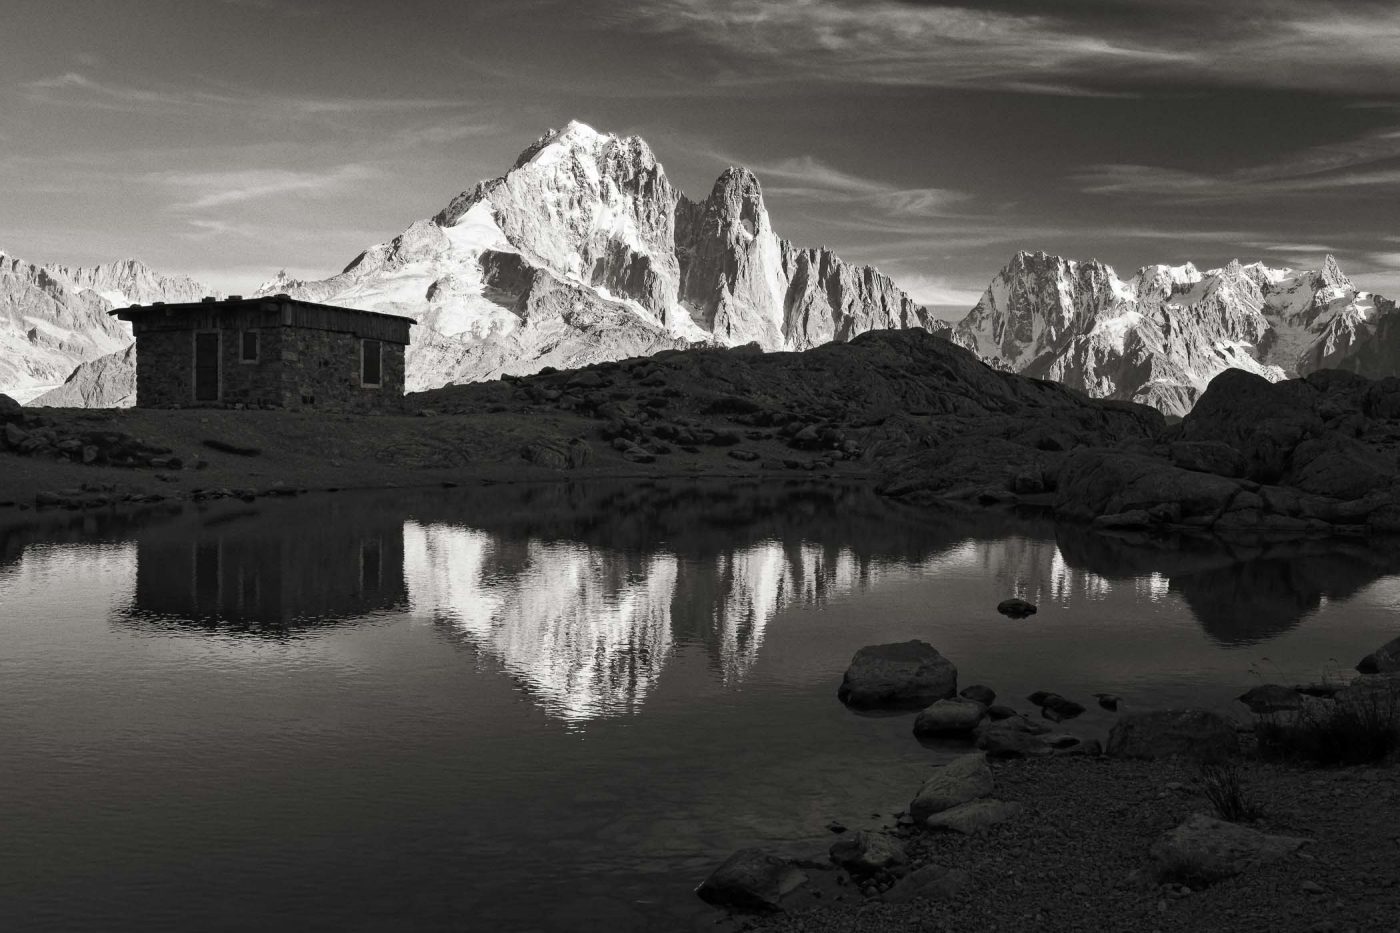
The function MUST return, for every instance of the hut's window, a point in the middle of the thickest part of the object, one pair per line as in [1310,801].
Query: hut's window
[371,364]
[249,347]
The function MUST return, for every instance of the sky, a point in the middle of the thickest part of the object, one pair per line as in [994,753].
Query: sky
[228,139]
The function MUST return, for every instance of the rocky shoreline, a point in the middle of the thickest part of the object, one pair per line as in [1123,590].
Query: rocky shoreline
[1184,820]
[922,419]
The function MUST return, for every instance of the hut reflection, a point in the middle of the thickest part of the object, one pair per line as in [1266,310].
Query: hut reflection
[269,571]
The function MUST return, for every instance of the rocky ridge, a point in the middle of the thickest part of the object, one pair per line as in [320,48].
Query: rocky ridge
[1162,335]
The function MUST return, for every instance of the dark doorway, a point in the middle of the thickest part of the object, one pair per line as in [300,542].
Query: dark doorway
[206,367]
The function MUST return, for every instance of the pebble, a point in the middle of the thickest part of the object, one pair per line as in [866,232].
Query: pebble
[1311,887]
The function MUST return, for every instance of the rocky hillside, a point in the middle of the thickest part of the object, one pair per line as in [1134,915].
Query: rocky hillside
[1160,337]
[584,251]
[54,318]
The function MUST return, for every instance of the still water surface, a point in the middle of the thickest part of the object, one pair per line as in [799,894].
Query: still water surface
[552,708]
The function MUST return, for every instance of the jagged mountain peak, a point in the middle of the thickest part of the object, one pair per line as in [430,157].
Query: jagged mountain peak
[1331,275]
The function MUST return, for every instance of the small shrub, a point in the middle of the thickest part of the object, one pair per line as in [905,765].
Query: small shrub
[1220,784]
[1361,727]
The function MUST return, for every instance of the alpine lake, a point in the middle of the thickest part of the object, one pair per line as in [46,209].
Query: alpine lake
[556,707]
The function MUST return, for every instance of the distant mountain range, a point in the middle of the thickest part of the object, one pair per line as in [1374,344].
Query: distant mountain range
[54,318]
[1160,337]
[584,251]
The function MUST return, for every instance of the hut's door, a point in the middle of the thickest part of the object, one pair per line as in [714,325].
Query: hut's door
[206,367]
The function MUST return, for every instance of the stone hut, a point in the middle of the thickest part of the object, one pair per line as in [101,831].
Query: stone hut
[274,352]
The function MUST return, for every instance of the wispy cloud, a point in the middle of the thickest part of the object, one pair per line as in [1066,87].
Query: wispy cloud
[806,178]
[1370,161]
[80,90]
[222,188]
[1086,49]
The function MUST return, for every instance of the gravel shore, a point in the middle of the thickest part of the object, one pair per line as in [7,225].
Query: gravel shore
[1077,857]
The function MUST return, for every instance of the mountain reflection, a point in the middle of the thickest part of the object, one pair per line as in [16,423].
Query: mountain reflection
[584,593]
[589,629]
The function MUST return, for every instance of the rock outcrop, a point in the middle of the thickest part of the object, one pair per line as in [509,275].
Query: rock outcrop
[106,382]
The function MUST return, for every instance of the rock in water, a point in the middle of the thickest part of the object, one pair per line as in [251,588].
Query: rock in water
[1055,706]
[866,853]
[979,694]
[1383,660]
[965,778]
[905,674]
[1108,701]
[956,717]
[1192,733]
[751,879]
[1016,608]
[1204,850]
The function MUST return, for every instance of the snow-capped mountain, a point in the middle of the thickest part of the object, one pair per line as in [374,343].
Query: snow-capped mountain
[54,318]
[1160,337]
[584,251]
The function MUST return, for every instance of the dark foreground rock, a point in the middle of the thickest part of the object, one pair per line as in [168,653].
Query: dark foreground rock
[1016,608]
[1383,660]
[963,779]
[906,674]
[866,853]
[1204,850]
[955,717]
[1157,734]
[751,879]
[930,883]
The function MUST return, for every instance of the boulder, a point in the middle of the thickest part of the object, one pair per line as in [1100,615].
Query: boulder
[1383,660]
[1165,733]
[1093,482]
[1055,706]
[751,879]
[9,406]
[955,717]
[1209,457]
[979,694]
[906,674]
[1016,608]
[1204,850]
[965,778]
[974,816]
[1271,698]
[15,435]
[1108,701]
[866,853]
[997,712]
[930,883]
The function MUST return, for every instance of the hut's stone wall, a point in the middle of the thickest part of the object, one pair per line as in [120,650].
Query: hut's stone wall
[321,369]
[299,368]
